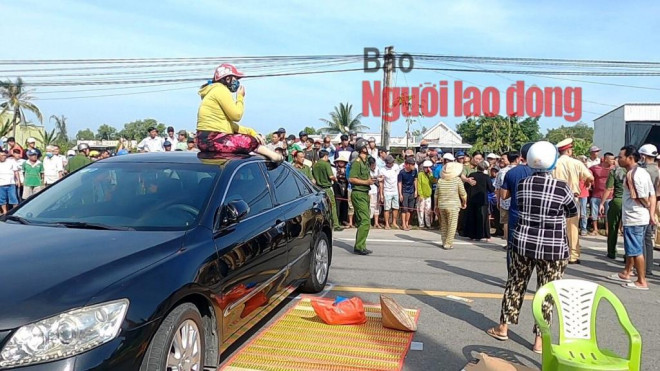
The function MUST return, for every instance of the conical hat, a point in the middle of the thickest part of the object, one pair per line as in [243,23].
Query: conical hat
[394,316]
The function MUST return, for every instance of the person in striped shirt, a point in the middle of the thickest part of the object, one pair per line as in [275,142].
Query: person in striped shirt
[450,198]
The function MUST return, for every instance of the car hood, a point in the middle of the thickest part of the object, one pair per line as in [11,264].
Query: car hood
[47,270]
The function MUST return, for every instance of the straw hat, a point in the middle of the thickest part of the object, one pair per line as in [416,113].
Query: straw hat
[451,170]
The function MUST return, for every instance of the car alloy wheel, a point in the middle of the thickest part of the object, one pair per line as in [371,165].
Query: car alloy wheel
[321,260]
[185,348]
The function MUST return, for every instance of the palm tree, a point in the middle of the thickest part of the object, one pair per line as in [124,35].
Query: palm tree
[60,126]
[342,120]
[17,99]
[48,138]
[5,128]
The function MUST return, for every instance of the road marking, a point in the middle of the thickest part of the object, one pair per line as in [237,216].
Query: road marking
[458,298]
[405,241]
[462,295]
[430,242]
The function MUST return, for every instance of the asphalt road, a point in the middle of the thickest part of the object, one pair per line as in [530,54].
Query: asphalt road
[459,293]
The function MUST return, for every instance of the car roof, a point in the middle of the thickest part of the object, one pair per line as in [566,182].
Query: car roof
[179,157]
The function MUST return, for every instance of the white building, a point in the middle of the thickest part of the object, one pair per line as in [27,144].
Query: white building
[633,123]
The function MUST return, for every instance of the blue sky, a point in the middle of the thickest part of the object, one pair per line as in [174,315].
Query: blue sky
[111,29]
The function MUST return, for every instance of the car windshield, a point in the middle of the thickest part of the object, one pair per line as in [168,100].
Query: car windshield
[140,196]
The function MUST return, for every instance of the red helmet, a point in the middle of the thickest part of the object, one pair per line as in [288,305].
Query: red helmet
[227,69]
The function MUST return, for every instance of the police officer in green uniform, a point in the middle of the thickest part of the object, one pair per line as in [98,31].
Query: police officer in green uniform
[299,164]
[79,160]
[361,180]
[322,173]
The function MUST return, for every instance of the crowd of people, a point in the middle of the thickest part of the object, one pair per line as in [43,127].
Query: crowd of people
[538,199]
[24,171]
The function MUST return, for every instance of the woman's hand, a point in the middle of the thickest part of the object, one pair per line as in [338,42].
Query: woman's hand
[241,90]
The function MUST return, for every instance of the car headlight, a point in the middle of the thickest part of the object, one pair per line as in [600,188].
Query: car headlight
[64,335]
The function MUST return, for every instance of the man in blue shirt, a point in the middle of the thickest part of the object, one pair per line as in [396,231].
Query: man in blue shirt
[380,160]
[407,180]
[510,187]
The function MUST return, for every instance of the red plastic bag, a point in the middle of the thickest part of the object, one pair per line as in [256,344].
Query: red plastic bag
[346,312]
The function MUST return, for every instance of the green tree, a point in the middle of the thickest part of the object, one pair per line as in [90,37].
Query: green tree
[106,132]
[498,133]
[5,128]
[582,134]
[309,130]
[580,130]
[47,138]
[17,99]
[137,130]
[343,121]
[60,127]
[419,132]
[86,134]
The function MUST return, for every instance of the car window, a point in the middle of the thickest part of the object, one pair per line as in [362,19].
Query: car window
[286,189]
[154,197]
[303,187]
[250,185]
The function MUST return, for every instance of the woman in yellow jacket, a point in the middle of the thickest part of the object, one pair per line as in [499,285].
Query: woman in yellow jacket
[219,113]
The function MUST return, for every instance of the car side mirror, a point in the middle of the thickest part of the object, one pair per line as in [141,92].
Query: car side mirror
[234,211]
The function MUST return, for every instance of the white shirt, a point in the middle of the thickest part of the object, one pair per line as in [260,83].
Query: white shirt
[390,183]
[62,159]
[53,167]
[150,144]
[499,180]
[591,162]
[634,213]
[174,141]
[373,189]
[19,163]
[7,172]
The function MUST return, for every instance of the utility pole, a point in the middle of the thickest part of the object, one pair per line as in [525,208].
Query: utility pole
[388,68]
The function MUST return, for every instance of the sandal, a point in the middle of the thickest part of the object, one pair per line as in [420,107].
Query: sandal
[491,332]
[633,285]
[616,277]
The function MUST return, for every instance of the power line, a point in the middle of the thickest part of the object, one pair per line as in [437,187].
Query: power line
[116,95]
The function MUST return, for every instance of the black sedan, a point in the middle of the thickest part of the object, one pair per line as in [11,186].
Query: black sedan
[154,261]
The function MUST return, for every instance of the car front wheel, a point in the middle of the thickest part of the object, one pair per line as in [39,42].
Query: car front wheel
[319,265]
[178,343]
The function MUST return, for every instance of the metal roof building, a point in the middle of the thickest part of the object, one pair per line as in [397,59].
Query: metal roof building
[631,123]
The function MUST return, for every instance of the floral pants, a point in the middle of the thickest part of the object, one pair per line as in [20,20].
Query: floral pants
[520,271]
[212,141]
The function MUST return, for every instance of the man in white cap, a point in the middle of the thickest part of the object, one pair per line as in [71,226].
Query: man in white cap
[32,145]
[492,159]
[594,156]
[648,153]
[572,171]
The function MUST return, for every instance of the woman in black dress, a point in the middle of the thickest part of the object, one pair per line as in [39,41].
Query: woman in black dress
[477,224]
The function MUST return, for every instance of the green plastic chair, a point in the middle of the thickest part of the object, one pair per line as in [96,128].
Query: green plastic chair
[577,304]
